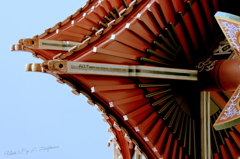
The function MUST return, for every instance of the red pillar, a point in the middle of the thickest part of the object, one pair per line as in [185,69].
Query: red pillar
[224,76]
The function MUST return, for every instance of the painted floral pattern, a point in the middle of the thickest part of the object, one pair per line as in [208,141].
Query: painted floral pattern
[232,31]
[231,108]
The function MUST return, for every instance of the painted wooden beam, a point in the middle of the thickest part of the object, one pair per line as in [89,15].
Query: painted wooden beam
[49,44]
[69,67]
[205,125]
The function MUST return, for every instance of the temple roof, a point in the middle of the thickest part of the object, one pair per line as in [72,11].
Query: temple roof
[159,116]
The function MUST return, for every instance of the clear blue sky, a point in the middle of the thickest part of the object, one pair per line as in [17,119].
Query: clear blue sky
[35,111]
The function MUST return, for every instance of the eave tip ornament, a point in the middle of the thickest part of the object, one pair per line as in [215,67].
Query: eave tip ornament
[230,25]
[33,67]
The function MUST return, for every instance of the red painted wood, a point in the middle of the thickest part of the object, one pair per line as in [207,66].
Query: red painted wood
[125,108]
[168,149]
[113,45]
[141,30]
[175,149]
[236,138]
[154,131]
[180,156]
[229,74]
[94,17]
[115,3]
[217,156]
[105,58]
[216,5]
[224,152]
[99,9]
[79,28]
[127,100]
[178,6]
[117,54]
[183,40]
[68,36]
[148,123]
[191,30]
[159,144]
[114,87]
[148,20]
[47,54]
[208,13]
[107,6]
[155,10]
[234,151]
[140,114]
[167,9]
[200,21]
[131,40]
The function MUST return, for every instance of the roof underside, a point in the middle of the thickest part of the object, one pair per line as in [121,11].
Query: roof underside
[160,116]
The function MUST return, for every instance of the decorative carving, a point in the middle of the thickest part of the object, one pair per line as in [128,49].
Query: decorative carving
[48,67]
[137,150]
[223,47]
[206,65]
[91,102]
[110,130]
[28,67]
[112,139]
[99,109]
[17,47]
[104,120]
[105,116]
[56,66]
[60,81]
[116,126]
[76,92]
[128,139]
[35,67]
[33,43]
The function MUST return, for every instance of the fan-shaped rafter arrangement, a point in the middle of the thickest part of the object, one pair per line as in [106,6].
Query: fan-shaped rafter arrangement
[161,116]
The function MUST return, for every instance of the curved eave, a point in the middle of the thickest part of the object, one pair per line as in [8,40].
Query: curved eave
[78,13]
[181,40]
[84,26]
